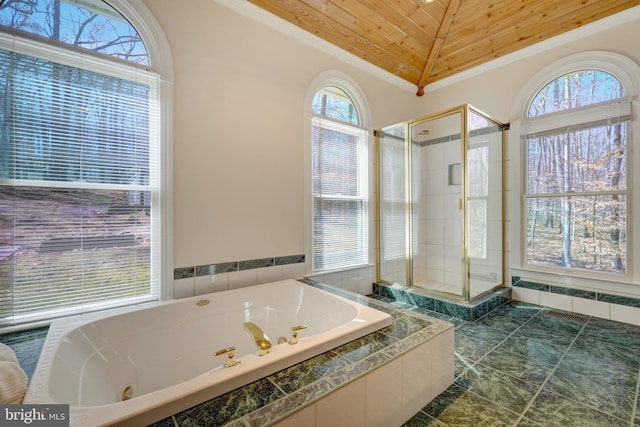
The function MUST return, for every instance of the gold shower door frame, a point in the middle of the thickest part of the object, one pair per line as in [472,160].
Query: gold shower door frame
[403,132]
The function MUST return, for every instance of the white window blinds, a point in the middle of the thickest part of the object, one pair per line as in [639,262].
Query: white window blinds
[78,186]
[340,195]
[589,117]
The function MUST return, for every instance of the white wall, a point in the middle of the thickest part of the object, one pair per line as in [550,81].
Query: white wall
[238,117]
[238,130]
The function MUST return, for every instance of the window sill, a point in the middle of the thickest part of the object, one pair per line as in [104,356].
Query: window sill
[340,270]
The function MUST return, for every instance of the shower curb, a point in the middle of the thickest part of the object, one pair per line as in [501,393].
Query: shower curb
[465,311]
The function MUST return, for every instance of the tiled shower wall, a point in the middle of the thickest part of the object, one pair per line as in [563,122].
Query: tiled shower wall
[440,229]
[204,279]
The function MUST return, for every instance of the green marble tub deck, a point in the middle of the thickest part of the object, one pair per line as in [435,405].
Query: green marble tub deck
[273,398]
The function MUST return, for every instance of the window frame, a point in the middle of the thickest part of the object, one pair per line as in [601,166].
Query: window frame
[161,126]
[625,70]
[343,82]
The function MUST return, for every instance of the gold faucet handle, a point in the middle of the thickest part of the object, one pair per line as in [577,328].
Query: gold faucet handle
[231,356]
[294,333]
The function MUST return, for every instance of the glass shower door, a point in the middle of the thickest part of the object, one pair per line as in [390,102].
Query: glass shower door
[436,193]
[392,194]
[484,204]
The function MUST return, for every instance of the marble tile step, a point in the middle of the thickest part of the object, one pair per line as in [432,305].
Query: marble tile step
[466,311]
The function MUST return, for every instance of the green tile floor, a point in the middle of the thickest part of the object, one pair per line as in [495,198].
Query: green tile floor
[522,365]
[525,365]
[27,346]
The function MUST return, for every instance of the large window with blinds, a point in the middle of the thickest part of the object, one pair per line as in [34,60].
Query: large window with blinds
[576,196]
[340,191]
[79,175]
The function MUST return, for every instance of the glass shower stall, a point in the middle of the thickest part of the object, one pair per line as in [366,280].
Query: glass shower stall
[440,204]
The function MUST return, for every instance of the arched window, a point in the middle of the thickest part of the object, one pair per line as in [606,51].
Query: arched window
[79,161]
[576,195]
[339,179]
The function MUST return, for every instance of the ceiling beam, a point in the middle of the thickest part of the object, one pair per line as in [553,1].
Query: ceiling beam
[449,15]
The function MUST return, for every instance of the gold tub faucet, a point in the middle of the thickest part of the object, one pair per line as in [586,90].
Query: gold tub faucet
[261,339]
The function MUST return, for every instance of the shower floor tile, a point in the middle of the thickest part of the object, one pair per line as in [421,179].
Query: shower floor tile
[529,366]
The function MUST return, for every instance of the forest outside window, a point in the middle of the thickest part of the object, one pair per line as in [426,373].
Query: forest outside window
[576,199]
[79,164]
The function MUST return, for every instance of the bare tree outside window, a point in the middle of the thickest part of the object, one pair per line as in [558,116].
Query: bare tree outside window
[576,195]
[87,24]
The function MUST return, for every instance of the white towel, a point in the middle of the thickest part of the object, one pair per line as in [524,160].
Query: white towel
[13,383]
[13,380]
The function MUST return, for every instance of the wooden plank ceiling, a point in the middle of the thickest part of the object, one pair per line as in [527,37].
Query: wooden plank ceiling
[423,41]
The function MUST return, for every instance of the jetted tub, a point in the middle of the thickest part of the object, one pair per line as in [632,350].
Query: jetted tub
[140,366]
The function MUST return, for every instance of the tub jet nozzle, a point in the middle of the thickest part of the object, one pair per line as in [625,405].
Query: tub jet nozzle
[127,393]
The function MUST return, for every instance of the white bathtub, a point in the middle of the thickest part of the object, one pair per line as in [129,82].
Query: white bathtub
[165,353]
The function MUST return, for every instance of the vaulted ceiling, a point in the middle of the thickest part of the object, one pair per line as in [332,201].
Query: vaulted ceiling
[423,41]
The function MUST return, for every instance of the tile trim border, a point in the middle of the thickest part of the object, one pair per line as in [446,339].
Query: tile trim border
[517,282]
[227,267]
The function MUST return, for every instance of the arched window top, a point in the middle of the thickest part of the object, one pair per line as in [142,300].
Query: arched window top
[88,24]
[576,89]
[334,103]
